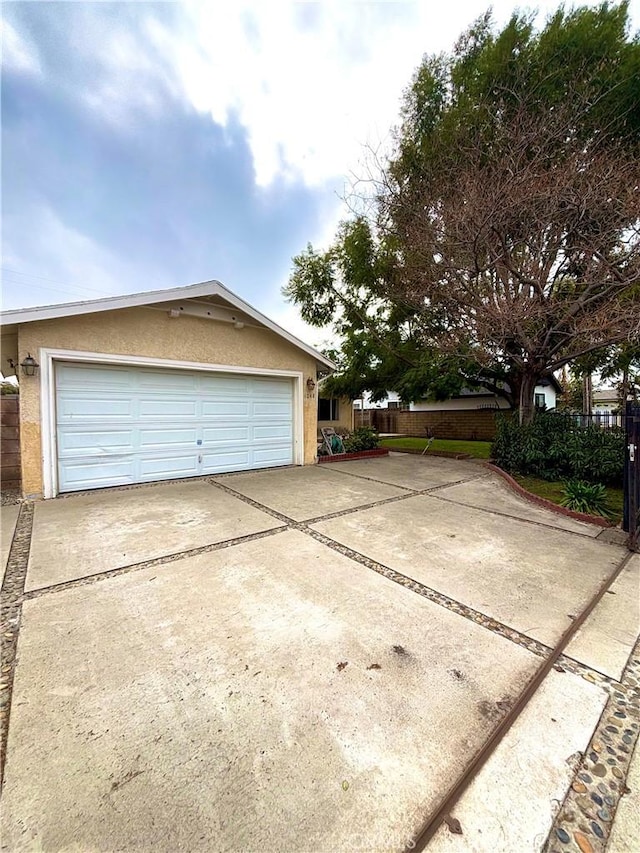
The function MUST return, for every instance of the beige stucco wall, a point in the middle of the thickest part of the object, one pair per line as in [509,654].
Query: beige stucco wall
[152,333]
[8,350]
[345,416]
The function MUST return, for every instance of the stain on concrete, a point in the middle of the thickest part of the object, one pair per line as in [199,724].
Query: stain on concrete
[495,711]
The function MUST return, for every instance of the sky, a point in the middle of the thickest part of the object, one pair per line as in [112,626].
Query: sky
[154,145]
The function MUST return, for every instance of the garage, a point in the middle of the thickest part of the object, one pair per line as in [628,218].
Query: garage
[160,385]
[117,425]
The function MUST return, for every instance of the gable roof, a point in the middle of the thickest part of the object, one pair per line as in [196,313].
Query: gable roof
[153,297]
[605,395]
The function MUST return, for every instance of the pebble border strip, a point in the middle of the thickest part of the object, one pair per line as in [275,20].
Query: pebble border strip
[586,816]
[11,597]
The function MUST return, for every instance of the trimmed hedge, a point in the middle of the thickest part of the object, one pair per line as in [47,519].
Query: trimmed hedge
[556,447]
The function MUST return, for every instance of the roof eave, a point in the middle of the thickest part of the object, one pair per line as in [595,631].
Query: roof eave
[10,319]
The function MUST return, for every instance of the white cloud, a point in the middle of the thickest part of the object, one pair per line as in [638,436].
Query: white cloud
[17,53]
[77,267]
[312,83]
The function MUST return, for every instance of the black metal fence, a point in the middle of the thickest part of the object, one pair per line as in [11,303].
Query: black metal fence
[604,420]
[631,516]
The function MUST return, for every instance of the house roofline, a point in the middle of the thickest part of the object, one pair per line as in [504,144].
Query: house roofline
[551,379]
[153,297]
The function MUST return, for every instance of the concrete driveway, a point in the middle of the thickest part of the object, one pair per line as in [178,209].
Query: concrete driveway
[303,659]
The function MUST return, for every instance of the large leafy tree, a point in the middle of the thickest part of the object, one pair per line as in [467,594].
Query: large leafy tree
[503,240]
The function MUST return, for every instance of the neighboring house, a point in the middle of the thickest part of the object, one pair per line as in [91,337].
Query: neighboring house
[391,401]
[606,401]
[155,386]
[545,395]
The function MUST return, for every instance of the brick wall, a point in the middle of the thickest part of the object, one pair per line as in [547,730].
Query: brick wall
[465,425]
[10,477]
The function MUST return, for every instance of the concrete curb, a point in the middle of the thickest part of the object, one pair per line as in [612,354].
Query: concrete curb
[536,499]
[360,454]
[447,454]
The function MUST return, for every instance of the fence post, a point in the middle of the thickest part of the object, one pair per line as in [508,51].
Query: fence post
[631,515]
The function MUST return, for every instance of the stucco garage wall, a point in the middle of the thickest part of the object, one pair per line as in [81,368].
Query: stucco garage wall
[152,333]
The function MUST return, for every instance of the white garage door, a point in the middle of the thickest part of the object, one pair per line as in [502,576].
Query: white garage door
[119,425]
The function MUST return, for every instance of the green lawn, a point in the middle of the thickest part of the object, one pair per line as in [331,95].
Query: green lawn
[553,490]
[479,449]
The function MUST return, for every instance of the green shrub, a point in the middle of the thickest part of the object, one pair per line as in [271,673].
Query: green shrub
[585,497]
[558,447]
[363,438]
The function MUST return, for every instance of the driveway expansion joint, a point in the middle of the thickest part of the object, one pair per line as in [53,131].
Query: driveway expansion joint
[165,559]
[623,696]
[410,489]
[11,597]
[563,664]
[288,523]
[533,521]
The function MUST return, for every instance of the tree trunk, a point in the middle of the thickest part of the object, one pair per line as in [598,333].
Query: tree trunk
[527,389]
[624,391]
[587,394]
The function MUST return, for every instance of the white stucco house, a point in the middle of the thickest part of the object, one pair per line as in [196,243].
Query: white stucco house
[605,401]
[545,397]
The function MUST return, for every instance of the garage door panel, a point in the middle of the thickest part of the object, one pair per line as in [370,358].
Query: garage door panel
[125,425]
[166,381]
[164,468]
[167,437]
[94,442]
[271,387]
[167,408]
[282,432]
[74,407]
[269,409]
[225,408]
[99,473]
[226,434]
[225,385]
[76,376]
[226,460]
[271,455]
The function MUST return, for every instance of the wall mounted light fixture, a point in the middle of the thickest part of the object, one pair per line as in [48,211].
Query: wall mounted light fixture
[310,384]
[29,365]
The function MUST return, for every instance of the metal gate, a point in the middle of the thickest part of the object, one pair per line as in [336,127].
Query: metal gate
[631,517]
